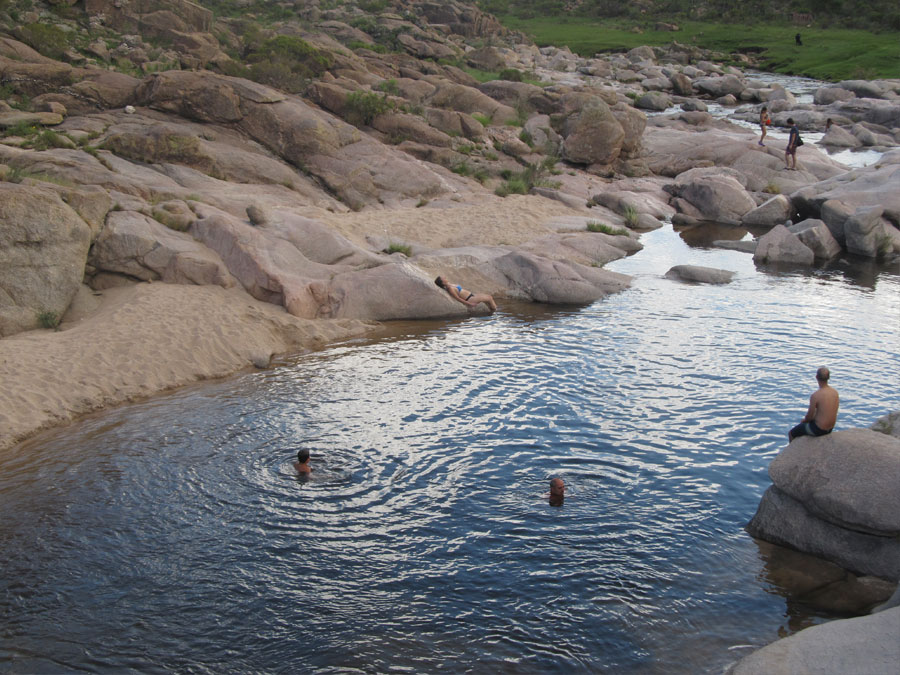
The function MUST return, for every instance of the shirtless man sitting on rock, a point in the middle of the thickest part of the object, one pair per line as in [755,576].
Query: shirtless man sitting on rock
[823,409]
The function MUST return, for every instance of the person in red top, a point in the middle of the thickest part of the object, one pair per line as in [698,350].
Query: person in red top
[764,122]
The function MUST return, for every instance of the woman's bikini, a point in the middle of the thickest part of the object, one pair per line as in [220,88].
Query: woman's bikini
[459,290]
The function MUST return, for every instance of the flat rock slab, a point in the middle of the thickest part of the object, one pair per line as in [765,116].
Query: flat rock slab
[700,275]
[46,119]
[745,246]
[867,644]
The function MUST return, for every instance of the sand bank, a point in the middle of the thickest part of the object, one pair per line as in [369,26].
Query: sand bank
[132,342]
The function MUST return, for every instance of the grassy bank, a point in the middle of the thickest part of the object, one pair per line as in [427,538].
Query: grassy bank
[827,54]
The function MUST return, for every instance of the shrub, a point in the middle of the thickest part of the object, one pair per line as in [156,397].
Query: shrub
[389,87]
[511,74]
[532,176]
[49,139]
[48,319]
[359,44]
[594,226]
[483,119]
[772,188]
[398,248]
[526,138]
[462,169]
[49,40]
[21,129]
[631,216]
[514,186]
[364,106]
[285,62]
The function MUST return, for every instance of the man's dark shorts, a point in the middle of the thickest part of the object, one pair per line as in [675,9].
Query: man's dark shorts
[807,429]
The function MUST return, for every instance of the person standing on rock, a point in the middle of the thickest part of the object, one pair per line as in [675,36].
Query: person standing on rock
[764,122]
[794,141]
[466,297]
[823,409]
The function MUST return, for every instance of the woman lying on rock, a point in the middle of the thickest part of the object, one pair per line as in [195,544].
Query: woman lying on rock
[465,296]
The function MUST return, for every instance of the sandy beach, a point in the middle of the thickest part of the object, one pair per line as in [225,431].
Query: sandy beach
[132,342]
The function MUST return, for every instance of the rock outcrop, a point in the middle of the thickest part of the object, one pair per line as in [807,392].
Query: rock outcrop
[835,496]
[43,250]
[866,644]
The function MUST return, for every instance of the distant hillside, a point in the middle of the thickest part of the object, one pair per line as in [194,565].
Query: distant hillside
[875,15]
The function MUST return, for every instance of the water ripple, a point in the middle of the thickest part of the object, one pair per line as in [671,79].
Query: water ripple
[179,537]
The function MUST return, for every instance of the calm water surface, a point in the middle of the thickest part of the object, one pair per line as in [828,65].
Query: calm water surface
[174,536]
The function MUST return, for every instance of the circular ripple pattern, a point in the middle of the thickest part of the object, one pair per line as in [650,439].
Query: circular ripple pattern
[174,535]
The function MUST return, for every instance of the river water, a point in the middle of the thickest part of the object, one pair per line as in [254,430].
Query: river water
[173,535]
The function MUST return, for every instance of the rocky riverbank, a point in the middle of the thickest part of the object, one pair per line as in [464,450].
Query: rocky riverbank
[186,215]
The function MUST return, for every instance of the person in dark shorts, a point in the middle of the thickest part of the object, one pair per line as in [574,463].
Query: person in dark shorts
[465,296]
[790,152]
[823,409]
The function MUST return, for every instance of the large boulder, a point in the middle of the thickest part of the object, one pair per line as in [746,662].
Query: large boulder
[267,266]
[864,231]
[318,242]
[888,424]
[716,87]
[653,100]
[834,213]
[43,250]
[848,478]
[593,135]
[585,248]
[716,194]
[469,100]
[359,170]
[783,520]
[817,237]
[373,294]
[140,247]
[863,88]
[538,279]
[633,122]
[828,95]
[837,137]
[866,645]
[780,245]
[770,213]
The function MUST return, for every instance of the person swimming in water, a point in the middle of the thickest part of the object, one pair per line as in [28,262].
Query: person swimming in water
[557,494]
[302,463]
[465,296]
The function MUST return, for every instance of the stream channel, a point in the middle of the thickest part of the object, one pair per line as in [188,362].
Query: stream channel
[174,536]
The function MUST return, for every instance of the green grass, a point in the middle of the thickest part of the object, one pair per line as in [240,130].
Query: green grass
[827,54]
[593,226]
[399,248]
[48,319]
[631,216]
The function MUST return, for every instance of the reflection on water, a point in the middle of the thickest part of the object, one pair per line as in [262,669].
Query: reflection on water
[173,535]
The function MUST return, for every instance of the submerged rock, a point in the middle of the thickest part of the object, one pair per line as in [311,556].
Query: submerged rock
[699,274]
